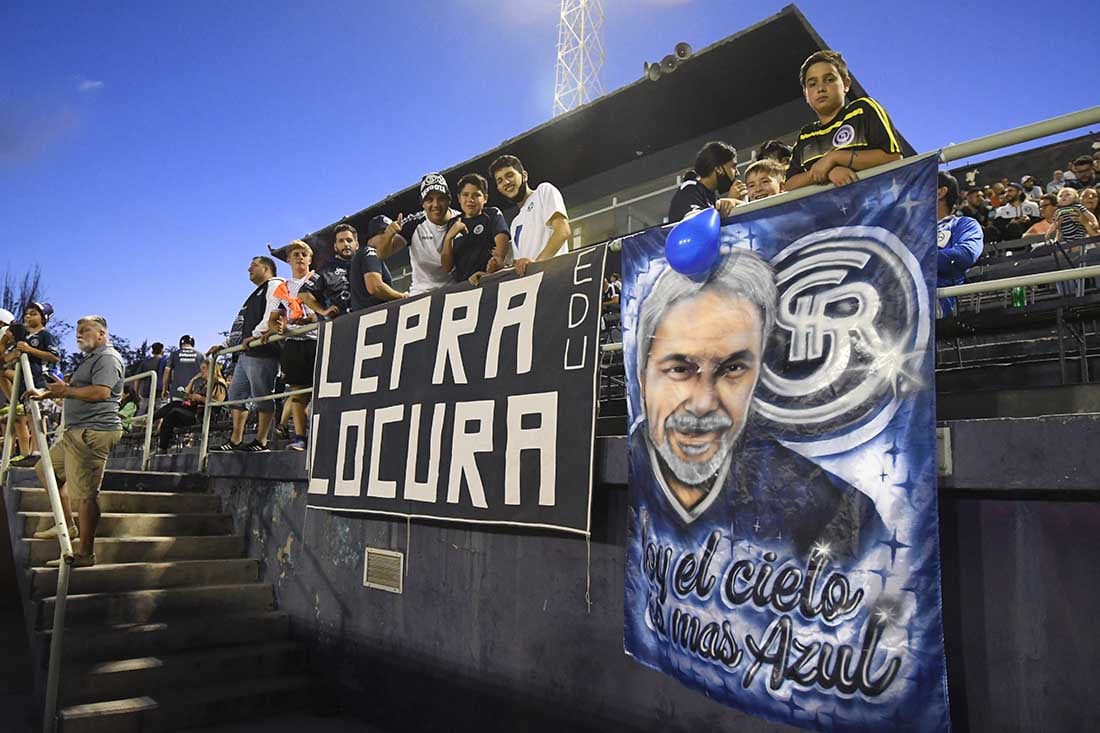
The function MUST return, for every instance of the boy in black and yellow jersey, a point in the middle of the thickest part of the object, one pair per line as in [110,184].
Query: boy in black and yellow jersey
[847,136]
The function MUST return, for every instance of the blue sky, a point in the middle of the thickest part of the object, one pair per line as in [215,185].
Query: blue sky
[148,150]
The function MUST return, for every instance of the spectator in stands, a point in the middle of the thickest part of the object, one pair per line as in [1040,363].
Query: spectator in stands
[1089,199]
[127,408]
[1084,176]
[183,365]
[1017,214]
[847,136]
[540,229]
[92,429]
[1055,184]
[959,239]
[1072,220]
[1031,187]
[369,279]
[996,194]
[183,413]
[477,242]
[765,178]
[612,291]
[41,347]
[257,367]
[155,362]
[326,292]
[977,208]
[775,150]
[709,183]
[299,350]
[1047,205]
[423,233]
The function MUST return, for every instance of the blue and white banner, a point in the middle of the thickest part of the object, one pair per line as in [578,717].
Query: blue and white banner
[783,554]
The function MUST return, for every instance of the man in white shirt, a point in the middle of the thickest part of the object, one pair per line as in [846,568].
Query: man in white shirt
[423,233]
[1018,214]
[541,228]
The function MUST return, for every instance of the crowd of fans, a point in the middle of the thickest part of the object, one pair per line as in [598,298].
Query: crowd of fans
[1063,209]
[474,241]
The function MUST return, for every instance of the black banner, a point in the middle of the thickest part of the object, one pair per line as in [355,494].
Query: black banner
[470,405]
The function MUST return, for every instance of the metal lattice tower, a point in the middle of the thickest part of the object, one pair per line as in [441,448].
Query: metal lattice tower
[580,54]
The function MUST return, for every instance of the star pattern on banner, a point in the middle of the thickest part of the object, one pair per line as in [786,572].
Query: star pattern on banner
[894,546]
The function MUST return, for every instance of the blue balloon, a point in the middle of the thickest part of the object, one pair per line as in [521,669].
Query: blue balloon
[692,245]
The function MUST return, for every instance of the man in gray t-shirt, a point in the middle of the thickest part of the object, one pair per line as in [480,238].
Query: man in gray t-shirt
[92,429]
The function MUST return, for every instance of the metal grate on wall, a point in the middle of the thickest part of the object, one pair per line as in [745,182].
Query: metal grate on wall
[383,569]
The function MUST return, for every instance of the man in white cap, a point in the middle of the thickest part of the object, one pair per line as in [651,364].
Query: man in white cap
[423,233]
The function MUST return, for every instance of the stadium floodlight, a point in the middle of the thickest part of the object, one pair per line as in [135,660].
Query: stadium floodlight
[580,54]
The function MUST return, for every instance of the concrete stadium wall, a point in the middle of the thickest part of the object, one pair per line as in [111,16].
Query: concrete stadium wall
[493,631]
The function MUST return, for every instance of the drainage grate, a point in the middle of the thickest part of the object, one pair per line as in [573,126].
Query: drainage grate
[383,569]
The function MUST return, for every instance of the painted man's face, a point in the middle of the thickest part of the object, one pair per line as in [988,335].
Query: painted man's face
[704,363]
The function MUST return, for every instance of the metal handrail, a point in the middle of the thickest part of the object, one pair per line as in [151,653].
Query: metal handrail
[53,674]
[149,416]
[989,143]
[209,404]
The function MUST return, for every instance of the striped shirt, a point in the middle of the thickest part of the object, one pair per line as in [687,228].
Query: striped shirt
[861,124]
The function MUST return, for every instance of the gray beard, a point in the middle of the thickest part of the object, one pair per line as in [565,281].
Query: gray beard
[695,473]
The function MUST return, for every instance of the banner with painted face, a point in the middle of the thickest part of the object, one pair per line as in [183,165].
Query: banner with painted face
[783,551]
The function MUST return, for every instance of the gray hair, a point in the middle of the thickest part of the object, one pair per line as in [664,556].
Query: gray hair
[95,320]
[741,273]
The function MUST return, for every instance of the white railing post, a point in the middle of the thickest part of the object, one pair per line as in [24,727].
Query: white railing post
[53,673]
[9,425]
[204,442]
[149,420]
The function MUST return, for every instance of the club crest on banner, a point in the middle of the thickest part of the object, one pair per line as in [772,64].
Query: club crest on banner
[840,357]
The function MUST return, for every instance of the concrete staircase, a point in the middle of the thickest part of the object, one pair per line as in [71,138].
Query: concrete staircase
[172,629]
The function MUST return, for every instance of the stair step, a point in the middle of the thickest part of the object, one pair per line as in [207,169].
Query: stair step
[123,502]
[146,575]
[121,641]
[154,480]
[160,676]
[143,606]
[255,698]
[128,715]
[199,706]
[139,525]
[111,550]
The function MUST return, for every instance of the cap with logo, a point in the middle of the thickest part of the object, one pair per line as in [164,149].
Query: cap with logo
[187,339]
[44,308]
[433,182]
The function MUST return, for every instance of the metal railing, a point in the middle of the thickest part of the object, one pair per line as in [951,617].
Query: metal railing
[152,376]
[209,404]
[950,153]
[57,634]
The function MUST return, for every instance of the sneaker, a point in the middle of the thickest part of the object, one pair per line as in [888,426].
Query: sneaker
[52,532]
[229,445]
[298,443]
[79,561]
[253,447]
[26,461]
[284,432]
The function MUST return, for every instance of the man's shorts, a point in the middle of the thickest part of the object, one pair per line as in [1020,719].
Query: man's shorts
[297,362]
[80,458]
[254,377]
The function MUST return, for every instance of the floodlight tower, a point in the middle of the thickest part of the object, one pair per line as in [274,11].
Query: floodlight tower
[580,54]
